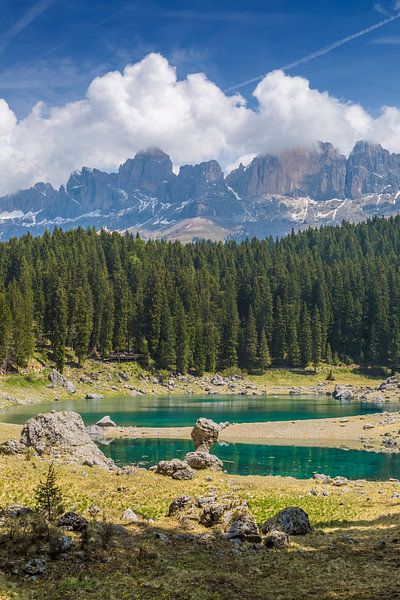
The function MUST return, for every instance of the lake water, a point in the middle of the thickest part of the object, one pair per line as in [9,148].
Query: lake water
[179,411]
[243,459]
[257,459]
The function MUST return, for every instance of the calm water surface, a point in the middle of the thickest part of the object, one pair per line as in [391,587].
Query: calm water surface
[150,411]
[243,459]
[257,459]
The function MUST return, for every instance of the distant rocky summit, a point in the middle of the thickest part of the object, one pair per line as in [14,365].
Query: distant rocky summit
[59,435]
[300,188]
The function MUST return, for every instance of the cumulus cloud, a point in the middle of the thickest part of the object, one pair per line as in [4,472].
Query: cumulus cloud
[191,119]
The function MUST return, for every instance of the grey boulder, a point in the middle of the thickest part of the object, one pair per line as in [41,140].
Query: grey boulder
[205,434]
[175,468]
[63,435]
[106,422]
[243,527]
[203,460]
[292,520]
[276,540]
[12,447]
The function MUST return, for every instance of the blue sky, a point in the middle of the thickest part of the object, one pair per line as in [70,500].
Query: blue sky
[51,49]
[91,82]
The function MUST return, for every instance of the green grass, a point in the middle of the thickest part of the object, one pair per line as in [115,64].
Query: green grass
[138,566]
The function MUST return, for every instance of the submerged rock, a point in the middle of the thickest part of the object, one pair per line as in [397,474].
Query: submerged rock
[105,422]
[63,435]
[205,434]
[292,520]
[203,460]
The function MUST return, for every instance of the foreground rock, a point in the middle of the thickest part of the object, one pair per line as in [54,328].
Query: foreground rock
[12,447]
[244,528]
[73,522]
[175,468]
[63,435]
[205,434]
[277,540]
[292,521]
[203,460]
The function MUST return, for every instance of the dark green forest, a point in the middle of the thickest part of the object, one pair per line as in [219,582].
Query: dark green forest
[321,295]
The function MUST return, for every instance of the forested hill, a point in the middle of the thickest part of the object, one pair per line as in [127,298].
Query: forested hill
[315,295]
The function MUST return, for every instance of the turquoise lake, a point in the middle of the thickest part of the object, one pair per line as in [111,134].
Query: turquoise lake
[257,459]
[179,411]
[240,459]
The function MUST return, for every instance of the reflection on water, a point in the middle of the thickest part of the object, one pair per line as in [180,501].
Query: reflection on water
[256,459]
[150,411]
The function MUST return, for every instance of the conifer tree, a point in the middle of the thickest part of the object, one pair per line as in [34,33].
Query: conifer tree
[316,339]
[264,358]
[48,496]
[250,342]
[182,342]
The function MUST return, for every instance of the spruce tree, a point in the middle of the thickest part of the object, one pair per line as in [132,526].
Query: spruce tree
[182,341]
[49,496]
[250,342]
[316,339]
[264,358]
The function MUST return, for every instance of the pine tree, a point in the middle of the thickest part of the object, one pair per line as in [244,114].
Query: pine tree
[316,339]
[83,321]
[250,342]
[167,346]
[305,338]
[144,353]
[48,496]
[264,358]
[182,342]
[21,303]
[230,339]
[5,330]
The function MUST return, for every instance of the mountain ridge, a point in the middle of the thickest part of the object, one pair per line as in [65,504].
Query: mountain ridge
[270,196]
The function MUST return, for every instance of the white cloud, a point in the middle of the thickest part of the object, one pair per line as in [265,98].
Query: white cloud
[191,119]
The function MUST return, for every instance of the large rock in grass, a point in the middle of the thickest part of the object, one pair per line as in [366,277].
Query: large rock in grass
[292,520]
[243,527]
[62,435]
[175,468]
[205,434]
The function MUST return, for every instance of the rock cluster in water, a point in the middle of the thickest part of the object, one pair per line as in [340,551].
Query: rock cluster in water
[204,435]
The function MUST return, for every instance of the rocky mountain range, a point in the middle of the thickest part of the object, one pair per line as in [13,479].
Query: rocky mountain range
[301,188]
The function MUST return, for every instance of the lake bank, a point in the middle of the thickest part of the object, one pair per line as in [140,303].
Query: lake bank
[365,432]
[129,380]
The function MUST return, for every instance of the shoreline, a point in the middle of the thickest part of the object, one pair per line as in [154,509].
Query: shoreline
[337,432]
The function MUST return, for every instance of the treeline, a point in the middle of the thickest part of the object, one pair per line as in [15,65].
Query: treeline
[326,295]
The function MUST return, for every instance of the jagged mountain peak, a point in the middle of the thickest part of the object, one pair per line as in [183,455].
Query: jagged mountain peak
[298,188]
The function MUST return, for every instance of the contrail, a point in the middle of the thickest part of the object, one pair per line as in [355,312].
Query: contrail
[325,50]
[26,19]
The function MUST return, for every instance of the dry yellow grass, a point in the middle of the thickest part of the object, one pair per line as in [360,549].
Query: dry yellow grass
[353,552]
